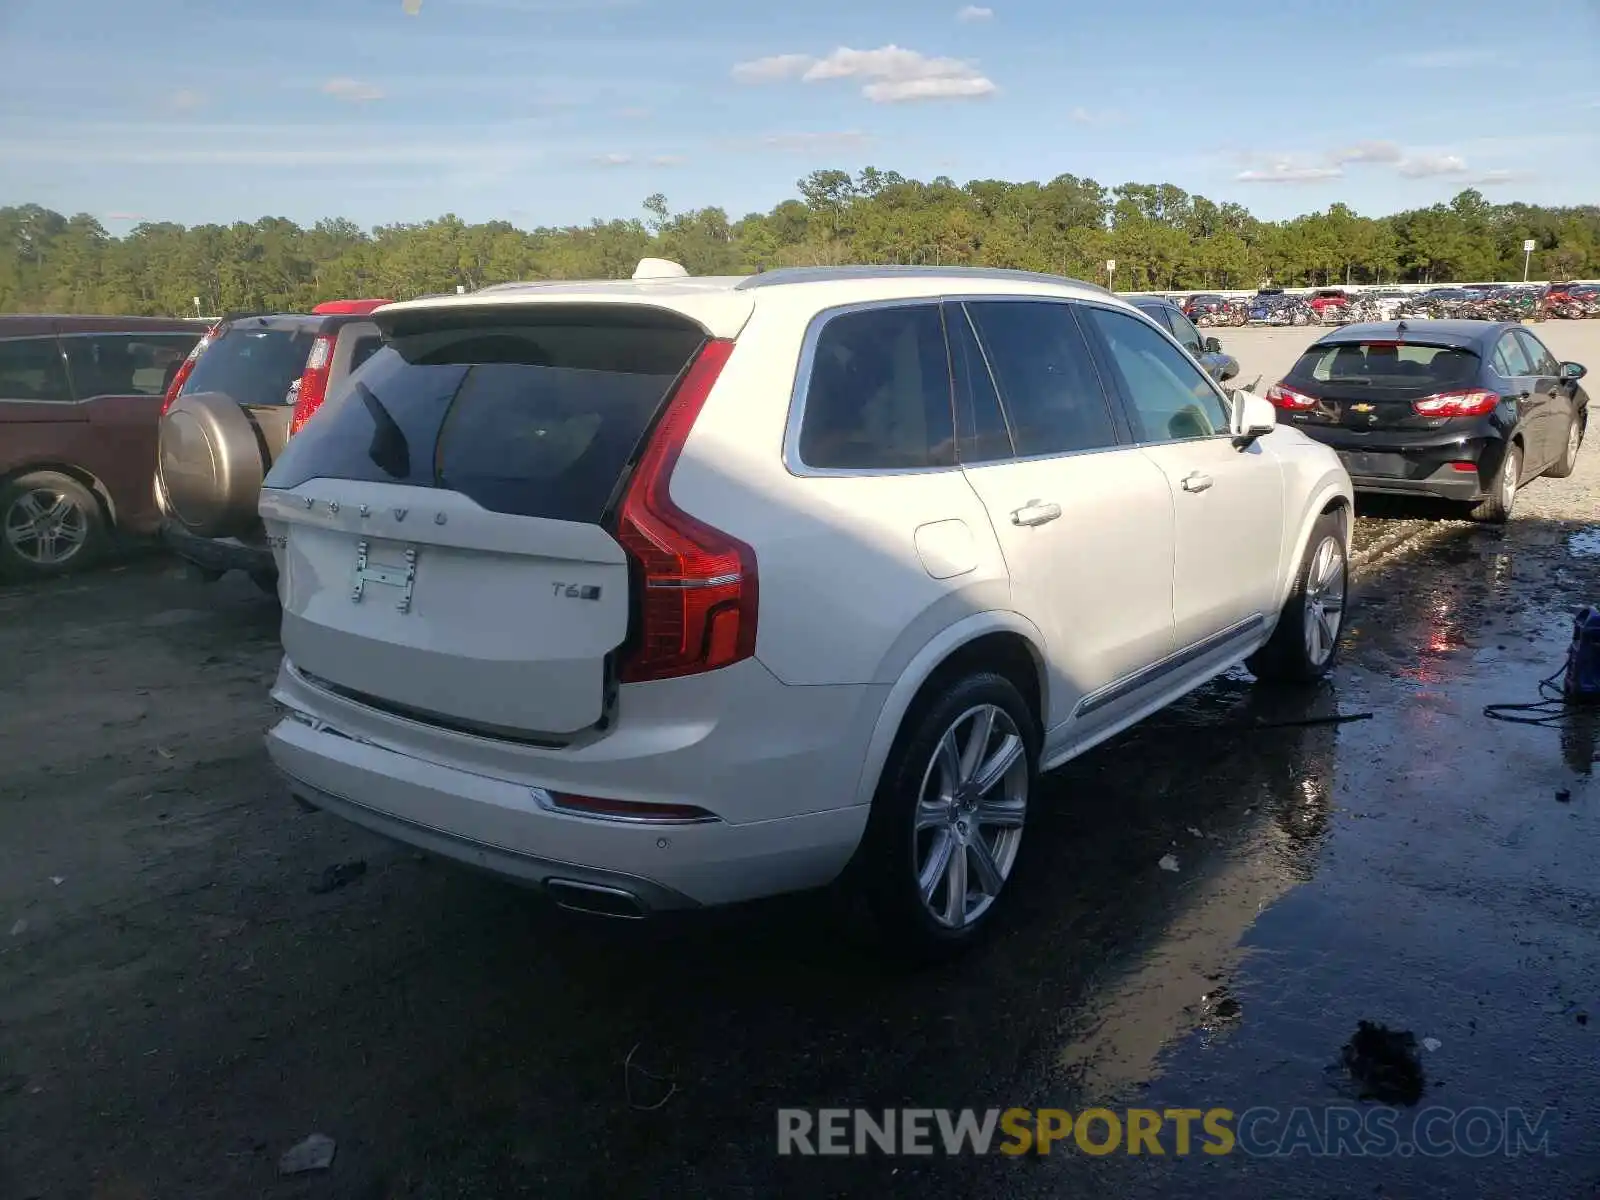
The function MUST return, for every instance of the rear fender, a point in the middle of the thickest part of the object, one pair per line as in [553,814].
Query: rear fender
[921,668]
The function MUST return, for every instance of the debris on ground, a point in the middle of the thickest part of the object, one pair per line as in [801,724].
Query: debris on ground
[20,928]
[1384,1064]
[163,752]
[1431,1044]
[336,876]
[1563,795]
[657,1082]
[58,880]
[1193,832]
[314,1154]
[1168,862]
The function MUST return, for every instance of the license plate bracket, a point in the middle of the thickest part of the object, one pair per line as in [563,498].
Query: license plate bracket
[401,575]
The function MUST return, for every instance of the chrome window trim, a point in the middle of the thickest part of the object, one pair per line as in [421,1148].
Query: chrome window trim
[1216,390]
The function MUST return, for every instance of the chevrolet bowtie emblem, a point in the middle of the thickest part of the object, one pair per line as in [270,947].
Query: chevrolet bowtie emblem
[1361,408]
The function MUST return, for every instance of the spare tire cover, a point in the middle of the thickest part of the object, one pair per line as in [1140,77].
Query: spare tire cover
[211,461]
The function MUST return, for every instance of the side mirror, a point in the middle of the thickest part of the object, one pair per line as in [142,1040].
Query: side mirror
[1572,370]
[1253,417]
[1230,369]
[1213,345]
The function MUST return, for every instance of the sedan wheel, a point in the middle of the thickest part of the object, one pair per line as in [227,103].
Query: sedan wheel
[49,524]
[970,815]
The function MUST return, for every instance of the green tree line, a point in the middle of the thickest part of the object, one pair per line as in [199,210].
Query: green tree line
[1162,238]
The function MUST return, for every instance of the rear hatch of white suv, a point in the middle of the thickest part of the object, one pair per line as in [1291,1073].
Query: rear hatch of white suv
[476,533]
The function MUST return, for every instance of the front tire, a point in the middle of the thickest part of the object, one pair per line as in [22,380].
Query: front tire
[49,524]
[1305,644]
[949,819]
[1495,508]
[1569,456]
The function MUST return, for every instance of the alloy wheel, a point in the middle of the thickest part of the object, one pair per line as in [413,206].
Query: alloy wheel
[1324,602]
[970,815]
[46,527]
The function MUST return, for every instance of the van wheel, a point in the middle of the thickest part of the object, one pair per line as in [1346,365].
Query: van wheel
[49,524]
[1495,508]
[1305,644]
[948,822]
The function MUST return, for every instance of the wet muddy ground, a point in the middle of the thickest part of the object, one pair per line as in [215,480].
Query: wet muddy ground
[182,999]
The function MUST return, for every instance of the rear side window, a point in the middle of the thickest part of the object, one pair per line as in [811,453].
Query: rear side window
[123,364]
[879,393]
[31,369]
[363,349]
[537,420]
[1509,360]
[982,434]
[253,365]
[1048,382]
[1387,365]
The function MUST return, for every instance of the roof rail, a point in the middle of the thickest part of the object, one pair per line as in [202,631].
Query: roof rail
[784,275]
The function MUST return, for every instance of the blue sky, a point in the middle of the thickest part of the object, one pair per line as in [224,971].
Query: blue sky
[556,111]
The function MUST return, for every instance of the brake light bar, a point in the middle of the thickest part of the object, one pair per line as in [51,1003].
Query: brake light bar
[1471,402]
[1286,398]
[313,382]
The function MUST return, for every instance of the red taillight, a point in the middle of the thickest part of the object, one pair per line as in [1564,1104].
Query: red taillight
[185,369]
[313,382]
[699,584]
[1464,467]
[1474,402]
[1287,398]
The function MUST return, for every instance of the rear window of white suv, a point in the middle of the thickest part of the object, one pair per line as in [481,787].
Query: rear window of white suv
[535,419]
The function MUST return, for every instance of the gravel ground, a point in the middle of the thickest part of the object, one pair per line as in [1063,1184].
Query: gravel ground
[180,1003]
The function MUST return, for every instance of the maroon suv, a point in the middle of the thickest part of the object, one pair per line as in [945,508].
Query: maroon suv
[80,399]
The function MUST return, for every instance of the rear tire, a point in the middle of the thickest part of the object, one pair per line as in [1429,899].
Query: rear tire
[1305,644]
[49,524]
[1495,508]
[941,849]
[1569,456]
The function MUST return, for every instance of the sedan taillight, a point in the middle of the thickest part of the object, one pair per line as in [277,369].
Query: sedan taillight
[1473,402]
[1287,398]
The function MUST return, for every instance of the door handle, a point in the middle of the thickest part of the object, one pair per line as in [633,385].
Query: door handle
[1035,512]
[1196,481]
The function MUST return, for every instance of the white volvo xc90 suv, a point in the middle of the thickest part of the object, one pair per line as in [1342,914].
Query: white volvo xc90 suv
[682,591]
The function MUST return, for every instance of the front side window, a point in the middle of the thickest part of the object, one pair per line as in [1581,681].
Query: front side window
[1048,383]
[1183,329]
[31,369]
[879,393]
[1172,398]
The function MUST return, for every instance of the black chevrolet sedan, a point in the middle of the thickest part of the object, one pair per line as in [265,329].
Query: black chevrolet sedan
[1462,410]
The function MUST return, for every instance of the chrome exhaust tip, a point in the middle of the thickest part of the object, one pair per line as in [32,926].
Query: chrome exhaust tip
[594,899]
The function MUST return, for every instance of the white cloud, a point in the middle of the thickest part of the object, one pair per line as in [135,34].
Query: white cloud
[1286,171]
[889,75]
[613,160]
[1498,176]
[668,160]
[1441,60]
[1088,116]
[773,69]
[1426,166]
[124,216]
[975,12]
[352,90]
[634,114]
[1368,152]
[186,100]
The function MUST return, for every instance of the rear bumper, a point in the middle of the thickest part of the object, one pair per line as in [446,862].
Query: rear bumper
[1417,465]
[776,765]
[218,554]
